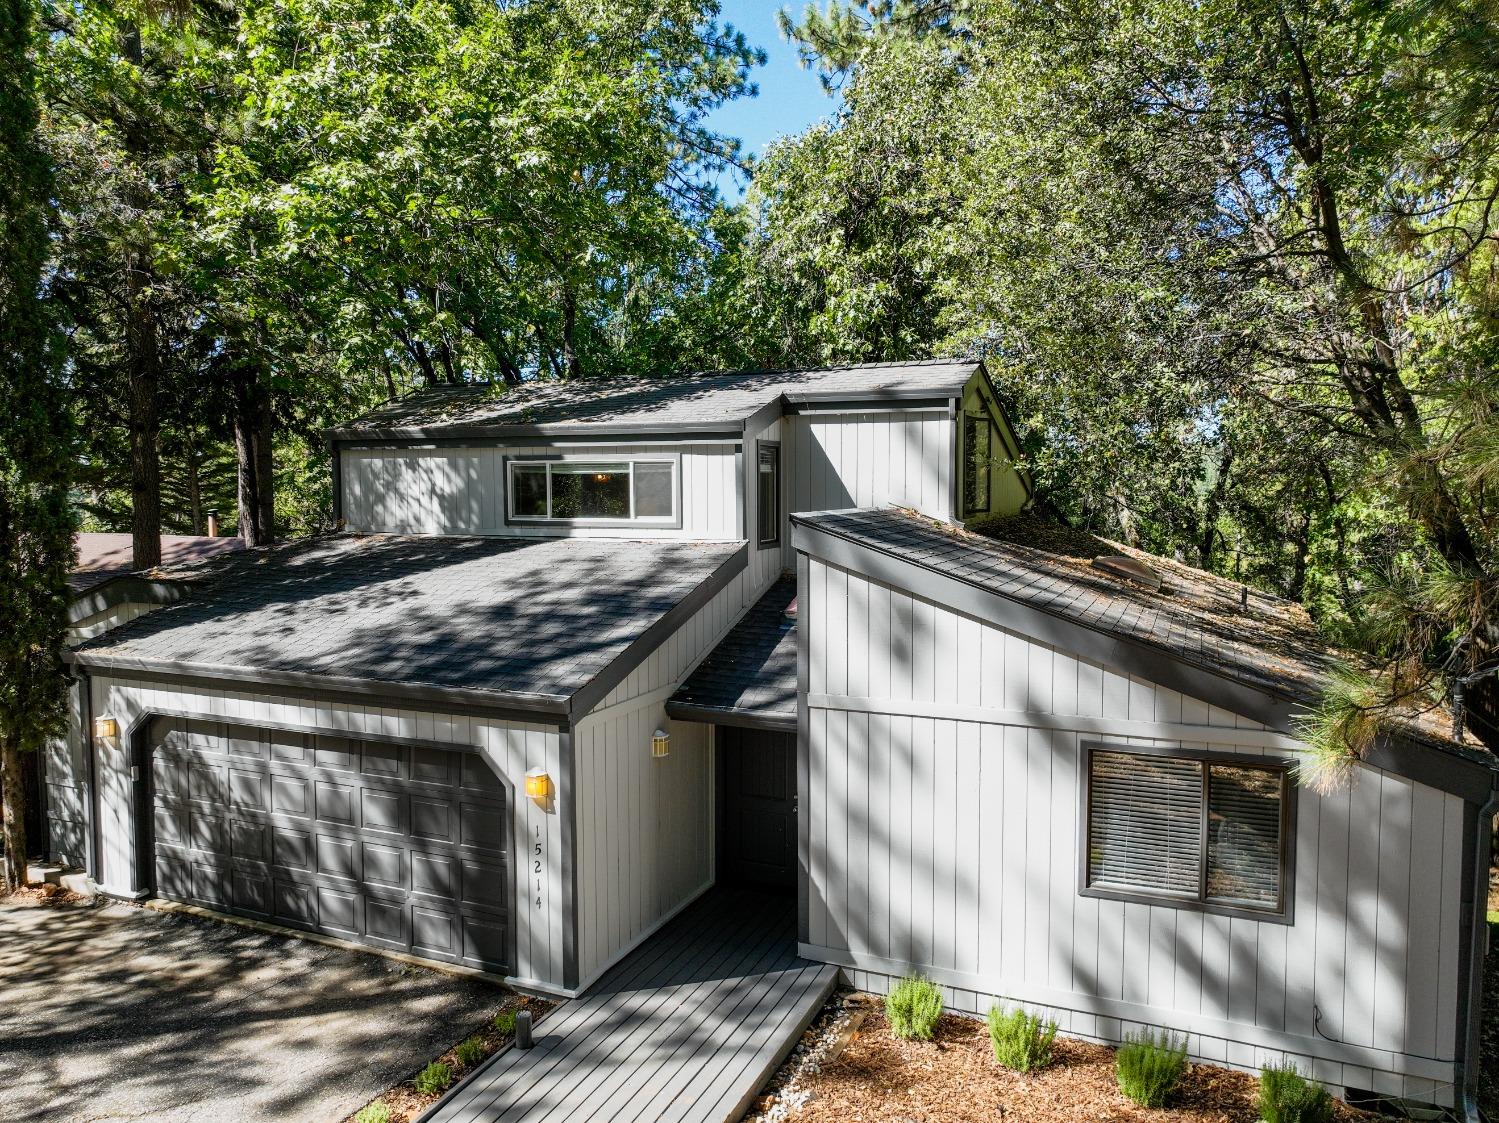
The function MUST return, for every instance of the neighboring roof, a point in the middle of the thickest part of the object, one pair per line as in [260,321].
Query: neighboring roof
[681,405]
[526,624]
[103,557]
[1268,646]
[749,679]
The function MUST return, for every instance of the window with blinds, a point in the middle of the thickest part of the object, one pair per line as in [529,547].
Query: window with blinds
[1185,829]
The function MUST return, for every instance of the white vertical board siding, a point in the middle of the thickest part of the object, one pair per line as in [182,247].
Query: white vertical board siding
[462,491]
[510,748]
[644,840]
[91,627]
[766,564]
[945,794]
[868,459]
[65,790]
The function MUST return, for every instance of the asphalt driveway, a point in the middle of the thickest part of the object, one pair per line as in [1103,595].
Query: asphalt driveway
[117,1012]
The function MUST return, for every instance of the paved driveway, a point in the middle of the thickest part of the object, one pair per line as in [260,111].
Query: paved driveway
[116,1012]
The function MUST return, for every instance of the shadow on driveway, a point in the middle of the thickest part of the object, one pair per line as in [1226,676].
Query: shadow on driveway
[116,1012]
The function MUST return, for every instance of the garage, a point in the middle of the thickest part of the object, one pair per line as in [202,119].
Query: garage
[404,847]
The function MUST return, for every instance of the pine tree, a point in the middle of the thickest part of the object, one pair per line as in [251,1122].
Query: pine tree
[36,525]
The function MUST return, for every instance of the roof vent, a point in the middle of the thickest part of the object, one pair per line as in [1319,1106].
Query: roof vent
[1131,569]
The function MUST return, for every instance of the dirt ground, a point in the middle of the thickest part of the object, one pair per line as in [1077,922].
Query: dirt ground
[1488,1070]
[955,1079]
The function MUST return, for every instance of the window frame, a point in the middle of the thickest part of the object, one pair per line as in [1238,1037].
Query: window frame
[763,543]
[971,420]
[1285,910]
[509,464]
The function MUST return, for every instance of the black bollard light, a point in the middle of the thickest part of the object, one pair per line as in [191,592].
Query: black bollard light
[523,1030]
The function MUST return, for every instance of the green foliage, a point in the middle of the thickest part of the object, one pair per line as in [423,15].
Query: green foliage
[376,1112]
[504,1021]
[433,1079]
[470,1051]
[36,524]
[1021,1041]
[1288,1097]
[913,1006]
[1147,1068]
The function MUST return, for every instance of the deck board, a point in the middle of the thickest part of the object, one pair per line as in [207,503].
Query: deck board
[688,1027]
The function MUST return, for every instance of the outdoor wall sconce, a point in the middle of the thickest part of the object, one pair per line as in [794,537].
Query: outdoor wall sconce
[106,728]
[538,785]
[660,743]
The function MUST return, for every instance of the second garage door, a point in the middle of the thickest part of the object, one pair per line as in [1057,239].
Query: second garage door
[400,847]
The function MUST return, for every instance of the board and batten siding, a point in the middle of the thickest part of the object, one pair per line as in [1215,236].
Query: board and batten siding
[462,491]
[510,748]
[644,842]
[942,803]
[872,458]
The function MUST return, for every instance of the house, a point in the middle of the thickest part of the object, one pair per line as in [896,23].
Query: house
[584,649]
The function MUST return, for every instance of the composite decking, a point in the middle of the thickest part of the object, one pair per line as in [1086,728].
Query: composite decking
[686,1029]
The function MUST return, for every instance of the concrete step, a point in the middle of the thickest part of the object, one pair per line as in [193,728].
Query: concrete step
[74,880]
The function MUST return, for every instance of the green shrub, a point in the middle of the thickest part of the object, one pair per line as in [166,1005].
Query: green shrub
[1288,1097]
[1021,1041]
[433,1079]
[470,1052]
[376,1112]
[1148,1067]
[913,1006]
[504,1021]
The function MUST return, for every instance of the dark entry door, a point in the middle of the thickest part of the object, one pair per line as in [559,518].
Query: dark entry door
[400,847]
[759,806]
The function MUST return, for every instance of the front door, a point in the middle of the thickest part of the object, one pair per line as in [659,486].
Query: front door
[758,839]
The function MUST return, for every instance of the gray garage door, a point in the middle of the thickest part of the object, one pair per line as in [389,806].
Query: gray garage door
[399,847]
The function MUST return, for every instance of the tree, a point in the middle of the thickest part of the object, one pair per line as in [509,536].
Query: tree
[36,525]
[1233,261]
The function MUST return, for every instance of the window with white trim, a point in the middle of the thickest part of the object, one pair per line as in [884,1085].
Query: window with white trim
[1204,831]
[768,492]
[628,489]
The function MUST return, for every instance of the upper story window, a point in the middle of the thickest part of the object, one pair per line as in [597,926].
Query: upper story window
[769,493]
[977,439]
[600,492]
[1196,831]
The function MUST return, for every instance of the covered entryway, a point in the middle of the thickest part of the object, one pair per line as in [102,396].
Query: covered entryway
[758,807]
[402,847]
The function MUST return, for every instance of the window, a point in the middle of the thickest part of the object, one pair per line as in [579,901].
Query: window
[977,437]
[593,491]
[1202,831]
[769,493]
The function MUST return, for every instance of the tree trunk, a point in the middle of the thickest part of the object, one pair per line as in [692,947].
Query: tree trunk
[1211,510]
[13,868]
[572,368]
[253,431]
[144,416]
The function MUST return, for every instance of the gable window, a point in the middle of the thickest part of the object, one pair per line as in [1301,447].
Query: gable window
[1180,829]
[977,438]
[768,503]
[633,490]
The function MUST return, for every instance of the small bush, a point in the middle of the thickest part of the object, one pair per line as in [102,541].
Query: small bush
[1288,1097]
[433,1079]
[376,1112]
[1148,1067]
[504,1021]
[913,1006]
[470,1052]
[1021,1041]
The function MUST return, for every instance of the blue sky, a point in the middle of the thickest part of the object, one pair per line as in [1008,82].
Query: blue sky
[790,98]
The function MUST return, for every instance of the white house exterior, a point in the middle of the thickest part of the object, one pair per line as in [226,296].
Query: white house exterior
[436,732]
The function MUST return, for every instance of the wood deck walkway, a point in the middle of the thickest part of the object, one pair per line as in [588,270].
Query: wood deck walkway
[686,1029]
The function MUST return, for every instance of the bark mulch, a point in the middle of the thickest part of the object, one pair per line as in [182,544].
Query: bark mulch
[1488,1069]
[405,1103]
[955,1079]
[46,894]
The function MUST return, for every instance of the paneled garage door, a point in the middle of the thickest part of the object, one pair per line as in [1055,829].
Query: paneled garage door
[399,847]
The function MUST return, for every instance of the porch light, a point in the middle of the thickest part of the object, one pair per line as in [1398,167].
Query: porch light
[660,743]
[538,785]
[106,728]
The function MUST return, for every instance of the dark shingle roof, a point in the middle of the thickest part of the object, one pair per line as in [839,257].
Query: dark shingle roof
[752,673]
[1269,644]
[701,400]
[500,616]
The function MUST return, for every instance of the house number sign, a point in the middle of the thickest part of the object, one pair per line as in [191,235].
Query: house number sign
[536,853]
